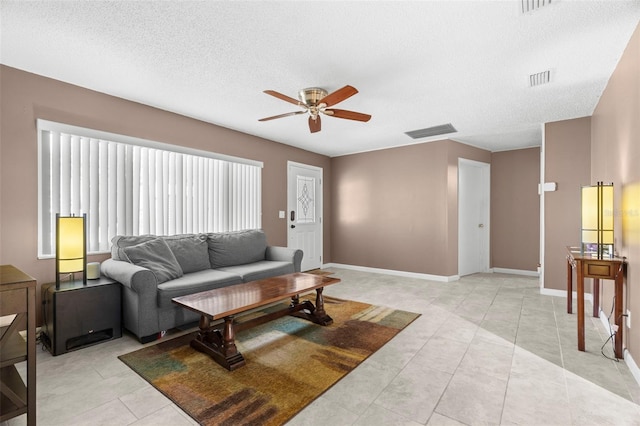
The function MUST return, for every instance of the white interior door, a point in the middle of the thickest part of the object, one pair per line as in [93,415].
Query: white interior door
[304,206]
[473,216]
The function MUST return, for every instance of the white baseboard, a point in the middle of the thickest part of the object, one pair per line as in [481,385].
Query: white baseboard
[563,293]
[628,359]
[633,367]
[516,272]
[429,277]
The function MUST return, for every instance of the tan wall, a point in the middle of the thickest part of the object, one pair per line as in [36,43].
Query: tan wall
[515,209]
[615,157]
[567,162]
[27,97]
[397,208]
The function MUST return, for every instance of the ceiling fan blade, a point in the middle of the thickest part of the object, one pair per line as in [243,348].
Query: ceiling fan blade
[283,97]
[314,125]
[338,96]
[349,115]
[288,114]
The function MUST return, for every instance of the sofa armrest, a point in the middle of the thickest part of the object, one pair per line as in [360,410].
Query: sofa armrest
[137,278]
[285,254]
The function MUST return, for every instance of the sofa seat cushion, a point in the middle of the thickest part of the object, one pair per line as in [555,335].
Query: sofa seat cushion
[259,270]
[194,282]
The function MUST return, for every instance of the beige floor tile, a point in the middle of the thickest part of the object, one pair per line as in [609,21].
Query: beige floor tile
[167,416]
[361,387]
[440,420]
[449,367]
[473,398]
[488,358]
[415,392]
[145,401]
[379,416]
[323,412]
[532,401]
[113,412]
[593,405]
[442,354]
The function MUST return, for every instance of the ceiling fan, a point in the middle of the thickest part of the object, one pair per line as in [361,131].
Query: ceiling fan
[316,101]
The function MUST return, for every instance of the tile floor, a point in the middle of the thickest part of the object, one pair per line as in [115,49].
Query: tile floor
[487,350]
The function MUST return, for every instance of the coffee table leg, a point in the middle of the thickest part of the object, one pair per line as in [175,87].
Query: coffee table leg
[320,303]
[315,314]
[319,315]
[295,300]
[219,346]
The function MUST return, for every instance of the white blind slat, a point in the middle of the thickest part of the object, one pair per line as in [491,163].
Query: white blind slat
[128,189]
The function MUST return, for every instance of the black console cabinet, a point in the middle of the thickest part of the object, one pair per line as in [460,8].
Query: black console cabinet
[77,315]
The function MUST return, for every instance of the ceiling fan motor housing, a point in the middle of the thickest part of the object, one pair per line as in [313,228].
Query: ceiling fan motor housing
[311,96]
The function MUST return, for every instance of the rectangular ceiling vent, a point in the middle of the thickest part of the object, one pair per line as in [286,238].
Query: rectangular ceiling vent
[442,129]
[539,79]
[531,5]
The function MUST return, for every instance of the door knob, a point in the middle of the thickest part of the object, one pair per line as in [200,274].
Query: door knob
[481,225]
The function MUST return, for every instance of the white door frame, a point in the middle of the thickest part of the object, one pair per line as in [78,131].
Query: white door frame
[319,204]
[486,211]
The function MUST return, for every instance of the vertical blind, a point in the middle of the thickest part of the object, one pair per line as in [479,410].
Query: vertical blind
[130,189]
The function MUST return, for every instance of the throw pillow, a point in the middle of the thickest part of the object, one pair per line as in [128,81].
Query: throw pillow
[236,248]
[121,241]
[191,251]
[156,256]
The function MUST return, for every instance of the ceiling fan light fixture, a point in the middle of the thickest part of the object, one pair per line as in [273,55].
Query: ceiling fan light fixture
[311,95]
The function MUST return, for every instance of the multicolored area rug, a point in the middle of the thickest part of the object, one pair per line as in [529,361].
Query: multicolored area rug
[290,362]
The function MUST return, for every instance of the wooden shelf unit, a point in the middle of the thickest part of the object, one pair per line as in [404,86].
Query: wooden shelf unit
[18,298]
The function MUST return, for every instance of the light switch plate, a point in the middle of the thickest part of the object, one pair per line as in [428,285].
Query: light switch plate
[281,214]
[628,318]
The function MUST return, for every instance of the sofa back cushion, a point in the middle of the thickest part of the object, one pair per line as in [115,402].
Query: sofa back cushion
[191,251]
[121,241]
[156,256]
[236,248]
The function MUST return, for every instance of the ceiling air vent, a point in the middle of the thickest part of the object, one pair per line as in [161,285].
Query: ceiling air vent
[442,129]
[531,5]
[539,78]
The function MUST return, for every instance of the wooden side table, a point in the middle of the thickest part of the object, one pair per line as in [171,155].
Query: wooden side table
[588,266]
[17,297]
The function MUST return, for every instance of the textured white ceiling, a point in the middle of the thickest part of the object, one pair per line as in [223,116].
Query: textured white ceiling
[415,64]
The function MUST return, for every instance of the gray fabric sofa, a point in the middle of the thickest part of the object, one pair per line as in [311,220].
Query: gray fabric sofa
[153,270]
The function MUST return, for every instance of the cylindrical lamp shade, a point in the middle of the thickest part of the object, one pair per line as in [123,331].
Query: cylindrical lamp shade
[70,244]
[597,219]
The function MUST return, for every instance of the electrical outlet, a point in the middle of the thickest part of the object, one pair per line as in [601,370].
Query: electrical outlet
[628,318]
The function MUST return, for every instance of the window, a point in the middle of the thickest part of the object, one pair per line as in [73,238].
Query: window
[306,191]
[130,186]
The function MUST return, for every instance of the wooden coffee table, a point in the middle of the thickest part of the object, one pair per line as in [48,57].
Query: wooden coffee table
[218,340]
